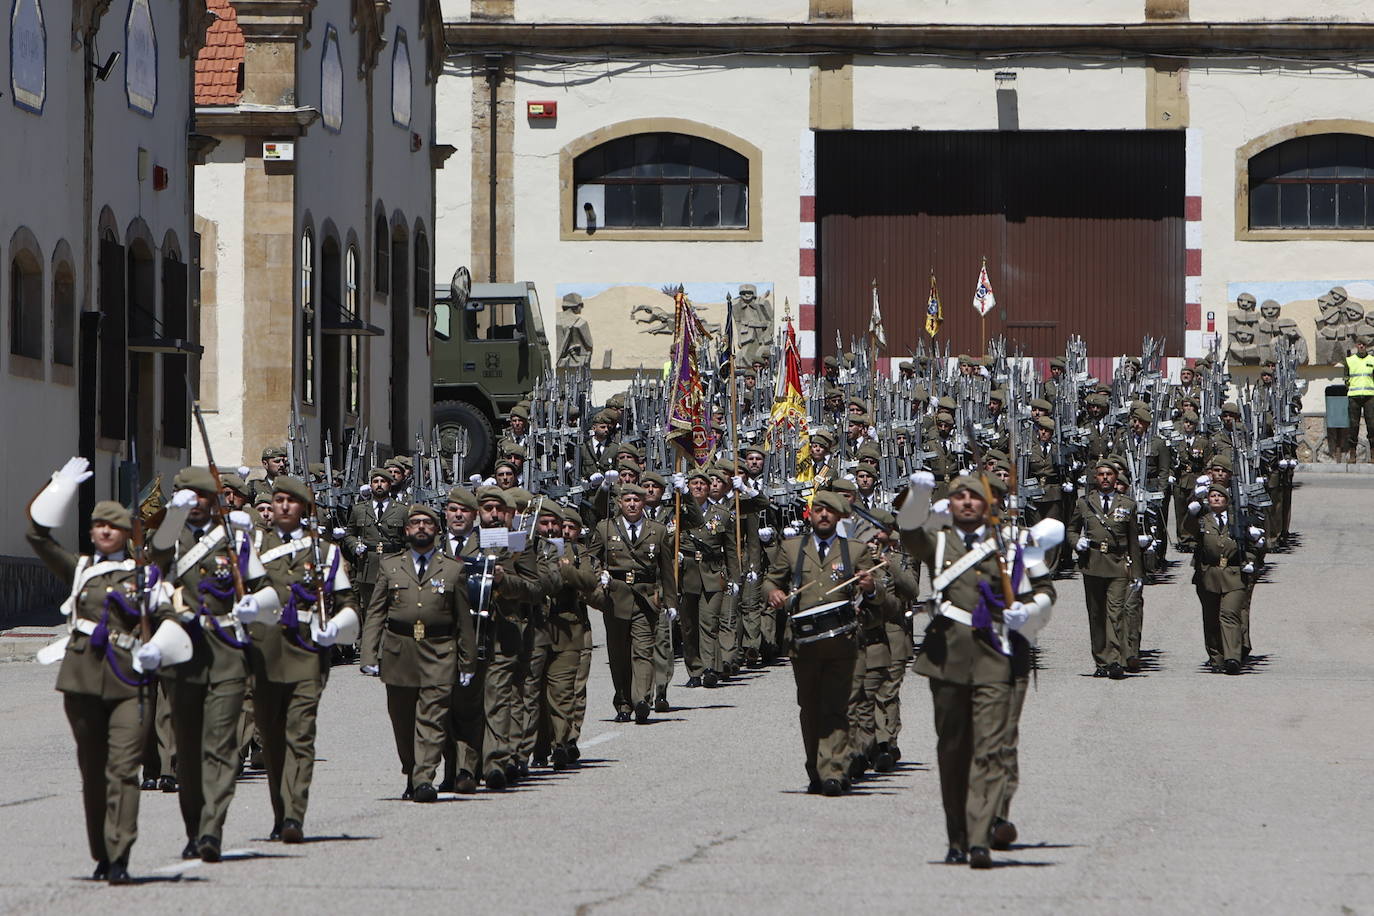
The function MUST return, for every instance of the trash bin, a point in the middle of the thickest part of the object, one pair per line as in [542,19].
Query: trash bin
[1337,407]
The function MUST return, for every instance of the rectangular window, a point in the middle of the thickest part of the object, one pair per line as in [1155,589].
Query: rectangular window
[176,407]
[114,331]
[26,310]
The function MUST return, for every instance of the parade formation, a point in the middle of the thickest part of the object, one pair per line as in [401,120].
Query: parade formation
[724,513]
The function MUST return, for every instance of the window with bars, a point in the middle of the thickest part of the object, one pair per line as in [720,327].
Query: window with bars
[307,339]
[1317,182]
[661,181]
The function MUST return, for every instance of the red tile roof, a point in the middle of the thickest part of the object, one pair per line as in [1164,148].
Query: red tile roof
[218,63]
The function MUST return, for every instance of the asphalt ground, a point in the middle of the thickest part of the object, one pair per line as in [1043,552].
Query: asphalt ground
[1172,791]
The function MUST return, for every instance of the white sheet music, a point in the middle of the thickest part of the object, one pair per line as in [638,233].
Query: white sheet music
[493,537]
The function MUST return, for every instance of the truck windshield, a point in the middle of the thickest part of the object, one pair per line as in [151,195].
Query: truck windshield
[493,319]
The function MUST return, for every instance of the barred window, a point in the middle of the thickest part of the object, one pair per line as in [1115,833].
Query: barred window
[1316,182]
[661,181]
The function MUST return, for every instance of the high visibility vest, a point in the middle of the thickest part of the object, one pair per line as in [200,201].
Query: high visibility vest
[1361,372]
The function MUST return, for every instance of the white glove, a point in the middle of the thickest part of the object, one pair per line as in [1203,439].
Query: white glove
[596,478]
[75,472]
[672,614]
[923,479]
[325,635]
[765,535]
[1015,617]
[732,588]
[1194,507]
[1138,584]
[1082,544]
[1082,480]
[1172,480]
[238,519]
[339,534]
[148,656]
[1248,568]
[612,477]
[790,531]
[1200,490]
[1255,533]
[475,479]
[182,499]
[246,609]
[983,371]
[244,471]
[751,577]
[369,670]
[465,678]
[1144,540]
[966,472]
[604,580]
[742,485]
[365,490]
[1154,544]
[360,549]
[680,482]
[1260,480]
[567,465]
[1067,486]
[940,506]
[489,482]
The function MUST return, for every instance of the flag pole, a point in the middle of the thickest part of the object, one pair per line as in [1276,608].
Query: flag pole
[734,435]
[983,318]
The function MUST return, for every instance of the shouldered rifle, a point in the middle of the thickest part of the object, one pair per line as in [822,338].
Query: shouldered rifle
[217,504]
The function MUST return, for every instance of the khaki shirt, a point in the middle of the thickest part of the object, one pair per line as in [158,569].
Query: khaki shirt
[648,562]
[1114,550]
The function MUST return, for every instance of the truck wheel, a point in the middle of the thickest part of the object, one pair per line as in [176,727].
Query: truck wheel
[449,418]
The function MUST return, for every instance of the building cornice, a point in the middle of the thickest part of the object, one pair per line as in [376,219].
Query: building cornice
[1190,38]
[255,122]
[274,20]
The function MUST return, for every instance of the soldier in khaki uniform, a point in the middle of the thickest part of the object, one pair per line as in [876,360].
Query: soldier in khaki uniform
[273,466]
[903,579]
[946,460]
[102,692]
[810,566]
[534,710]
[572,535]
[665,512]
[420,627]
[710,567]
[637,580]
[374,530]
[207,691]
[566,573]
[1106,538]
[1223,566]
[290,657]
[1192,452]
[967,649]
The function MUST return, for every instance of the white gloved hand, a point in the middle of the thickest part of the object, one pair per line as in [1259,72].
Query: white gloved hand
[244,471]
[369,670]
[790,531]
[965,472]
[680,482]
[940,506]
[75,472]
[246,609]
[1144,540]
[743,486]
[325,635]
[1154,544]
[596,478]
[489,482]
[182,499]
[475,479]
[1067,486]
[1261,480]
[1015,617]
[1138,584]
[1082,480]
[983,371]
[612,477]
[1172,480]
[765,535]
[1248,568]
[672,614]
[1082,545]
[732,588]
[465,678]
[1194,507]
[339,534]
[567,465]
[148,656]
[603,580]
[1200,491]
[240,520]
[751,577]
[360,549]
[365,490]
[922,479]
[1255,533]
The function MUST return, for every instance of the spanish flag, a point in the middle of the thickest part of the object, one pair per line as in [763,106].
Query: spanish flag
[789,406]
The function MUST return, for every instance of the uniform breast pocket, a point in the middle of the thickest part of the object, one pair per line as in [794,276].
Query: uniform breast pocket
[442,648]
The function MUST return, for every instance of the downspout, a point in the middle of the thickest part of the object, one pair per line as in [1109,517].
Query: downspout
[493,80]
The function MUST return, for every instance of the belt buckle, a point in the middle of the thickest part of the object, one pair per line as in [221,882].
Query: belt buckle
[1103,546]
[419,629]
[630,577]
[1222,563]
[698,556]
[379,548]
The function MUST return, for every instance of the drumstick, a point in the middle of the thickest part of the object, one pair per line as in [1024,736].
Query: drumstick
[792,594]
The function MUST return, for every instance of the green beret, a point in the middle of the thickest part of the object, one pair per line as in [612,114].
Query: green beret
[1142,413]
[831,362]
[883,517]
[633,489]
[1041,404]
[1045,423]
[747,450]
[906,364]
[1222,461]
[1231,407]
[919,393]
[198,479]
[426,511]
[1218,488]
[316,467]
[571,514]
[653,478]
[515,449]
[504,463]
[463,497]
[998,394]
[968,482]
[823,436]
[502,496]
[697,472]
[722,474]
[294,487]
[841,485]
[870,452]
[999,486]
[616,401]
[404,461]
[112,513]
[520,411]
[629,448]
[835,502]
[749,373]
[378,472]
[1097,400]
[237,484]
[861,418]
[605,416]
[995,454]
[626,464]
[522,498]
[1107,461]
[1190,417]
[944,416]
[273,451]
[264,496]
[946,403]
[549,507]
[1057,362]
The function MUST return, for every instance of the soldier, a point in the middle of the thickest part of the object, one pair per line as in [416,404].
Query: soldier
[1056,379]
[1106,539]
[1044,466]
[967,650]
[1222,567]
[420,628]
[1137,440]
[207,691]
[818,464]
[566,573]
[534,712]
[597,452]
[375,527]
[711,568]
[273,465]
[102,690]
[807,572]
[1192,452]
[903,579]
[1099,426]
[637,580]
[572,535]
[947,457]
[289,656]
[517,431]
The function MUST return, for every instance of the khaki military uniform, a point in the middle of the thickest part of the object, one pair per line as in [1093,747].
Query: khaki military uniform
[945,465]
[709,565]
[1110,566]
[102,694]
[903,588]
[381,534]
[1222,586]
[667,515]
[1191,455]
[565,579]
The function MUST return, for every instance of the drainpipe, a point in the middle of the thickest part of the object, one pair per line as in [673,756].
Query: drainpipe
[493,80]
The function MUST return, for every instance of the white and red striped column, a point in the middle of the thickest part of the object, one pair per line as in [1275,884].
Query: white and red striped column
[1197,334]
[806,271]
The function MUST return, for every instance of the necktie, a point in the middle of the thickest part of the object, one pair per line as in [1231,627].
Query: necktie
[1106,504]
[822,548]
[969,540]
[380,506]
[199,533]
[420,566]
[634,534]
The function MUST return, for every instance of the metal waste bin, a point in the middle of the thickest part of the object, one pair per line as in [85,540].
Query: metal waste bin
[1337,407]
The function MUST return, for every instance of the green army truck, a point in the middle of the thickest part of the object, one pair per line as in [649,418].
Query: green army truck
[489,348]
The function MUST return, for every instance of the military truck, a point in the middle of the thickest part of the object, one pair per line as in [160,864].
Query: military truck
[489,348]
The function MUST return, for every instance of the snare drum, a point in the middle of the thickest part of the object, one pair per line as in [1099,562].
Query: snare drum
[824,621]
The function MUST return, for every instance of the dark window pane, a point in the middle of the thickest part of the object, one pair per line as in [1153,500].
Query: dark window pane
[677,155]
[734,205]
[1321,156]
[648,205]
[1293,206]
[648,163]
[1322,205]
[675,209]
[619,205]
[1293,158]
[705,205]
[733,165]
[1264,165]
[1264,206]
[1350,206]
[620,158]
[705,158]
[1352,155]
[590,165]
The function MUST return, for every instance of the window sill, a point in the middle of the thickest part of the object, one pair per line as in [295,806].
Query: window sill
[27,367]
[665,235]
[63,375]
[1298,235]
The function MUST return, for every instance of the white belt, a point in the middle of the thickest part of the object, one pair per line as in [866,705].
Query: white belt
[123,640]
[958,615]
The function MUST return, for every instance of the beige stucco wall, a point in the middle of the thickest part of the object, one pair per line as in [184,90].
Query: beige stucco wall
[219,199]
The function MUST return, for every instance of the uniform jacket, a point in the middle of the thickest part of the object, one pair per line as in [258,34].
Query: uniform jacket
[379,535]
[650,560]
[280,653]
[709,553]
[1113,550]
[819,576]
[437,642]
[1218,559]
[589,463]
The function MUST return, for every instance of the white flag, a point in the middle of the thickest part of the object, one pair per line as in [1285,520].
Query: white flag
[875,321]
[983,299]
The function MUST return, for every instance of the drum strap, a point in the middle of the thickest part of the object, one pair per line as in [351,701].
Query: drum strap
[801,556]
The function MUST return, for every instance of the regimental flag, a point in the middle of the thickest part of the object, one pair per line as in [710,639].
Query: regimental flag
[935,314]
[688,428]
[983,299]
[726,367]
[875,323]
[789,405]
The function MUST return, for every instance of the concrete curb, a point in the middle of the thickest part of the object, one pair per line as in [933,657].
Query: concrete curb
[22,643]
[1336,468]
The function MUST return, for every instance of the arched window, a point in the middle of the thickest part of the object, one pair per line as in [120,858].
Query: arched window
[352,371]
[1320,181]
[26,303]
[423,287]
[63,313]
[661,180]
[307,338]
[381,254]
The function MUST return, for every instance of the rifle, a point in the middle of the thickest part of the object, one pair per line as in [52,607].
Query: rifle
[216,505]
